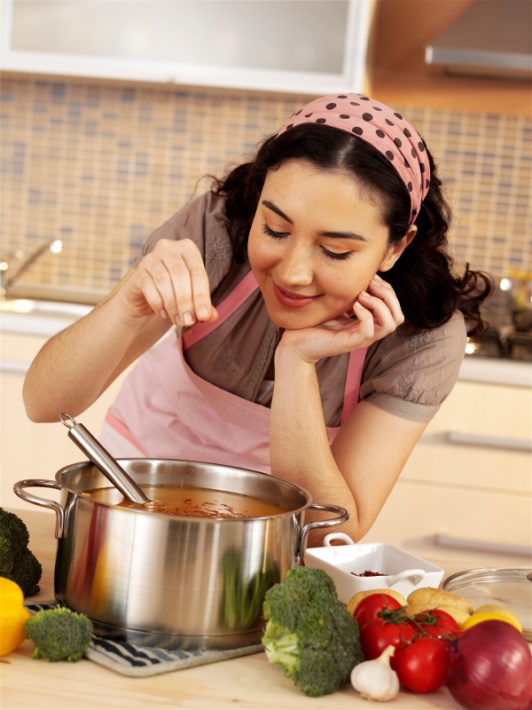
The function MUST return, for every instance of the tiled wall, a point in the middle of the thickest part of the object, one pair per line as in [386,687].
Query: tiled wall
[99,166]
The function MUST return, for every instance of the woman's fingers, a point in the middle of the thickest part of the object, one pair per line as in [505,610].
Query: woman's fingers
[179,302]
[374,316]
[379,305]
[174,283]
[365,326]
[156,286]
[199,301]
[382,290]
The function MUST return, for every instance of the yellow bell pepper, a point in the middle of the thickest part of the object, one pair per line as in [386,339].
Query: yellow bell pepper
[13,616]
[492,611]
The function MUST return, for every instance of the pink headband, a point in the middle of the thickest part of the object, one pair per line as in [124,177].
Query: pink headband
[380,126]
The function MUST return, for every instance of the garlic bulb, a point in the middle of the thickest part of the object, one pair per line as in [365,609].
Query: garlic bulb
[376,679]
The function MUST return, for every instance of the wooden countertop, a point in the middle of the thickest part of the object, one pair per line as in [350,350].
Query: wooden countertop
[248,682]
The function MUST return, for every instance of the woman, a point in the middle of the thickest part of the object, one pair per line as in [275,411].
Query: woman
[319,323]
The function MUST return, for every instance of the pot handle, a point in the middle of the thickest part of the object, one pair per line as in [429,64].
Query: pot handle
[343,517]
[43,502]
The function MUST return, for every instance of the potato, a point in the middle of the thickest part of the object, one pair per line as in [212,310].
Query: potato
[432,598]
[353,602]
[458,614]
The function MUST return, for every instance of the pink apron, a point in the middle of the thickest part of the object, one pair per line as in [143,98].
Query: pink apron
[165,410]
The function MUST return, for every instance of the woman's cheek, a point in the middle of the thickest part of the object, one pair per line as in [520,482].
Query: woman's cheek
[260,257]
[347,288]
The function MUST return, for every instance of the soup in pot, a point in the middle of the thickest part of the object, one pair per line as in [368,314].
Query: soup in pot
[192,502]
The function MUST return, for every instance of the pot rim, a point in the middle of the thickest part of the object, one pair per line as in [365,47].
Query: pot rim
[65,470]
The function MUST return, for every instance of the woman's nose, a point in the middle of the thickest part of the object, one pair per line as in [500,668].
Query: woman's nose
[295,266]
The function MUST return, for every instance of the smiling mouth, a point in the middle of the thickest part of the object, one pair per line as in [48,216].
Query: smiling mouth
[292,300]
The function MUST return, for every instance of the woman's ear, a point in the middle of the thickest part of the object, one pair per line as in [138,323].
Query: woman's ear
[394,252]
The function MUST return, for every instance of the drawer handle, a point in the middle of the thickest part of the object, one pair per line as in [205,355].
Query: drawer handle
[498,442]
[14,367]
[460,543]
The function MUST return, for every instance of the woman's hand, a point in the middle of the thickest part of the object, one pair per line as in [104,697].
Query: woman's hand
[377,312]
[172,282]
[73,369]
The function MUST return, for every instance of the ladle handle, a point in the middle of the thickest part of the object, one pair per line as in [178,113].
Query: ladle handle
[103,460]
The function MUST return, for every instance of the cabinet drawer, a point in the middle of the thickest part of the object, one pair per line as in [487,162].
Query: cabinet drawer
[480,438]
[415,513]
[499,411]
[437,460]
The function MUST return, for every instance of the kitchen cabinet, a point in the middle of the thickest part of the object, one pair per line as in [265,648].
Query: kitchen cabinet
[303,46]
[468,483]
[399,76]
[29,450]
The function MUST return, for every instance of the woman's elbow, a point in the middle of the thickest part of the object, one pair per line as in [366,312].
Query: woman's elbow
[35,411]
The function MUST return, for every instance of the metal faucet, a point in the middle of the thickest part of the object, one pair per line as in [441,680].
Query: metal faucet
[54,246]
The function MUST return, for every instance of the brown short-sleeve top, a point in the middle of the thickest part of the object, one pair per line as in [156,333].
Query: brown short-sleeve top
[407,374]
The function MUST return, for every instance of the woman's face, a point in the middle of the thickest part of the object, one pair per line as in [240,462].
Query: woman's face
[315,243]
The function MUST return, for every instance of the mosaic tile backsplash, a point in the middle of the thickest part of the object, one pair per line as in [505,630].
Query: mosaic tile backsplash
[100,166]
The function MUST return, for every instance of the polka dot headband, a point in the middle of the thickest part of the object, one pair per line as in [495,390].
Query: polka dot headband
[380,126]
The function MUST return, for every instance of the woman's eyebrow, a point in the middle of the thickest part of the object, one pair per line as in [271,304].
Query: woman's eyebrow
[344,235]
[276,209]
[335,235]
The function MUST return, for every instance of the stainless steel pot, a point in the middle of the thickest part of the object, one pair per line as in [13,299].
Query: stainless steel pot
[168,580]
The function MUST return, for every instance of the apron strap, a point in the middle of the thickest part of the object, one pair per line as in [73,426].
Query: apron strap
[227,307]
[352,381]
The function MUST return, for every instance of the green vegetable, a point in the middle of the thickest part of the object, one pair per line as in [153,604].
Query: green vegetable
[309,633]
[17,562]
[59,634]
[242,598]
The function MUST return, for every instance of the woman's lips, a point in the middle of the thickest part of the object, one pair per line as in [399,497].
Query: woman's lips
[292,300]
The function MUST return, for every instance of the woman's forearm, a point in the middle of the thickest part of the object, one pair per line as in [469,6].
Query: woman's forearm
[169,286]
[75,366]
[299,446]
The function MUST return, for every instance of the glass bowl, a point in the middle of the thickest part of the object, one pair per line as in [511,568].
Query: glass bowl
[491,585]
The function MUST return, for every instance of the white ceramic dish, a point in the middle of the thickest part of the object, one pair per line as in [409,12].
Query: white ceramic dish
[400,570]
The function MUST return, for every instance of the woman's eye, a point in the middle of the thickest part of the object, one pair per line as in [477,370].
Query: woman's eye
[271,233]
[337,256]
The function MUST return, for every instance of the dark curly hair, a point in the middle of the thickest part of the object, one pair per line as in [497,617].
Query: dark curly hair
[423,278]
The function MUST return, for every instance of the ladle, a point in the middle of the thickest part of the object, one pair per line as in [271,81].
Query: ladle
[101,458]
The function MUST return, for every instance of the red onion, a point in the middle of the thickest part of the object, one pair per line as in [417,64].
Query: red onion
[490,668]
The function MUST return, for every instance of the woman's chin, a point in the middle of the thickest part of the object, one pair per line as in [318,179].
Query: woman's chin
[309,316]
[297,321]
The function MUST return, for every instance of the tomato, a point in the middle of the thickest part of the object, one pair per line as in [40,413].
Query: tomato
[438,623]
[385,630]
[421,665]
[368,607]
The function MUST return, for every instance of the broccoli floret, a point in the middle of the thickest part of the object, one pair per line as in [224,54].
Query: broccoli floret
[17,562]
[59,634]
[14,538]
[309,633]
[27,573]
